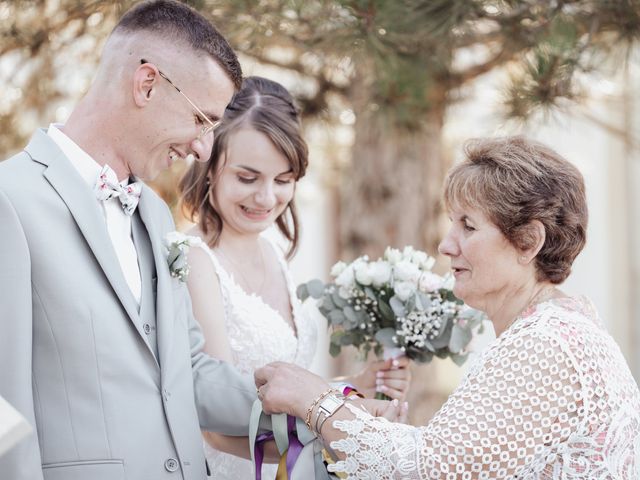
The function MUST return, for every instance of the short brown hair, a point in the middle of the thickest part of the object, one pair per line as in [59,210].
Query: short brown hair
[178,21]
[514,180]
[267,107]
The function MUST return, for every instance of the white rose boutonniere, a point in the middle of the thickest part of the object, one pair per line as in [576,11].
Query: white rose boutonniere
[177,247]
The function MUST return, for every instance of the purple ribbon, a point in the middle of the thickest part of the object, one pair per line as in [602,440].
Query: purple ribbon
[293,452]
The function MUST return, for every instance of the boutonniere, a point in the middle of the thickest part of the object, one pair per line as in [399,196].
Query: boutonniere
[177,248]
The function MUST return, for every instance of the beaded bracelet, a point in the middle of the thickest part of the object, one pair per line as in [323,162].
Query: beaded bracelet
[307,420]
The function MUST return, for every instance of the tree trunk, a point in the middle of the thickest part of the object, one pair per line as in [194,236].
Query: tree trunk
[391,197]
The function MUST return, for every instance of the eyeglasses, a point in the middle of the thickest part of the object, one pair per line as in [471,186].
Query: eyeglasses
[208,125]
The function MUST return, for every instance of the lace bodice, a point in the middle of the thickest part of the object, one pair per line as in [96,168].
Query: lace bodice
[551,398]
[257,335]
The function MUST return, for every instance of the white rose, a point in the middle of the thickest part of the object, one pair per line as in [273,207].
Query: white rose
[346,278]
[430,282]
[392,255]
[380,272]
[429,263]
[448,281]
[362,274]
[406,271]
[419,258]
[404,290]
[407,252]
[338,268]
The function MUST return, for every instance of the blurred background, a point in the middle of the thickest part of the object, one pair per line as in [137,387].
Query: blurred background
[389,91]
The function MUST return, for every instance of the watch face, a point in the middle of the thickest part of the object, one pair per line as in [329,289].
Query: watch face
[330,403]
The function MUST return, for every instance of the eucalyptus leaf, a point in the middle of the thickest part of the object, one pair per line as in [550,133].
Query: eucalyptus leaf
[385,337]
[459,359]
[349,338]
[315,288]
[338,300]
[397,306]
[425,300]
[442,340]
[363,317]
[386,312]
[351,316]
[302,292]
[334,349]
[336,317]
[460,338]
[370,293]
[336,336]
[327,303]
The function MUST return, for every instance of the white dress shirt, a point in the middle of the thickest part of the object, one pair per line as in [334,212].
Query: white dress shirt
[118,222]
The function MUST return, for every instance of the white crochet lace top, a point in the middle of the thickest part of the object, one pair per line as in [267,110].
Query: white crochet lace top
[258,335]
[551,398]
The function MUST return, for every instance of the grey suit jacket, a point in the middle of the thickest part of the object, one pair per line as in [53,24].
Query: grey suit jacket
[73,358]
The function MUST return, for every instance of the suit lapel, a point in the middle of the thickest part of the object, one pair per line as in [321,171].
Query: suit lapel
[165,294]
[80,201]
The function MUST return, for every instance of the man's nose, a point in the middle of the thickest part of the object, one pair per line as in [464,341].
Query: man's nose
[202,147]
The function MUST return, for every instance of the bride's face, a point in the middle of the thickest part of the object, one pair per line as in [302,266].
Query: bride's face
[483,261]
[255,184]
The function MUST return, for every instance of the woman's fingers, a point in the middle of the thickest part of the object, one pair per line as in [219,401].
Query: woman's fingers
[392,392]
[394,383]
[396,411]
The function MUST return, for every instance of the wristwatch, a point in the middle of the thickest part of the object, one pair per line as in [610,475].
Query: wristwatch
[329,405]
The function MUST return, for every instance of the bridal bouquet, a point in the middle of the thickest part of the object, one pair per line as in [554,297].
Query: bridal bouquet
[394,304]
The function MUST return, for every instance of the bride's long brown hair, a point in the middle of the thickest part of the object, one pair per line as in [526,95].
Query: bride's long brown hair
[267,107]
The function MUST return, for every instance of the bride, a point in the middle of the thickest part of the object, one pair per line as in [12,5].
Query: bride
[241,288]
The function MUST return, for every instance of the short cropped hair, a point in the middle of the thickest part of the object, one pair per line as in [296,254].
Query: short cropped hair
[177,21]
[514,180]
[267,107]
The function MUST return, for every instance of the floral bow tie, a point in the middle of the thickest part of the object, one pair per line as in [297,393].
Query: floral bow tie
[107,186]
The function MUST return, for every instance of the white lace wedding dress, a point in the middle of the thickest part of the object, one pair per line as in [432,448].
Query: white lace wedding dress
[258,334]
[551,398]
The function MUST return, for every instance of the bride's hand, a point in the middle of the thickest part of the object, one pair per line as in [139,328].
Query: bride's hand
[394,410]
[391,377]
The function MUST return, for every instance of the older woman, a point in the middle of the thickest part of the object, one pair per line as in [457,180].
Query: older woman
[552,397]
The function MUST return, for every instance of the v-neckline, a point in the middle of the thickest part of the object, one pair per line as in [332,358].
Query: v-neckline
[293,326]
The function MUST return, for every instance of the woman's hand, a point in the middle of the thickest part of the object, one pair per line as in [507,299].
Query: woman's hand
[393,410]
[287,388]
[391,377]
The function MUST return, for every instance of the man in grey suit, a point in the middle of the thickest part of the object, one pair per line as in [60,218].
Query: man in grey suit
[98,346]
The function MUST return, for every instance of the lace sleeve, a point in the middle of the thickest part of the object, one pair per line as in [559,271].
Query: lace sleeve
[508,419]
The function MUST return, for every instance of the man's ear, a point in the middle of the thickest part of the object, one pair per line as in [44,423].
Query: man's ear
[536,234]
[145,79]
